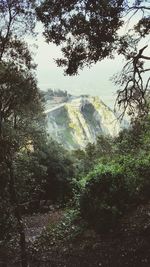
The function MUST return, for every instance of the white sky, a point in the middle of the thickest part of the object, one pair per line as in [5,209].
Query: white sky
[94,81]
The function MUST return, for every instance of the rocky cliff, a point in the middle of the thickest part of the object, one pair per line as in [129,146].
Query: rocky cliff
[75,121]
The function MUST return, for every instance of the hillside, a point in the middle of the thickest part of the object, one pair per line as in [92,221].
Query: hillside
[76,121]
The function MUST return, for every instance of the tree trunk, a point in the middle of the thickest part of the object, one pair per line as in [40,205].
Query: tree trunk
[17,214]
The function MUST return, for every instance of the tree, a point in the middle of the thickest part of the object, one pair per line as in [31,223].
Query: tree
[17,19]
[87,32]
[86,28]
[134,84]
[134,140]
[19,104]
[93,153]
[59,174]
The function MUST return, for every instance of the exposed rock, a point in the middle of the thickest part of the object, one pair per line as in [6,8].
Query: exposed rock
[79,120]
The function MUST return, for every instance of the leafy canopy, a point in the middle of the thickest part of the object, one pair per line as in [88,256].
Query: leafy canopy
[86,28]
[87,32]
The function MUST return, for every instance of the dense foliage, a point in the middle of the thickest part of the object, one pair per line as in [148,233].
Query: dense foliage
[28,171]
[118,181]
[87,28]
[59,172]
[114,188]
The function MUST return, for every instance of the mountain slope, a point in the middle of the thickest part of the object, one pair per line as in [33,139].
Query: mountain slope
[80,120]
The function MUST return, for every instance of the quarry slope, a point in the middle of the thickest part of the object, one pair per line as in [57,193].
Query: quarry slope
[76,121]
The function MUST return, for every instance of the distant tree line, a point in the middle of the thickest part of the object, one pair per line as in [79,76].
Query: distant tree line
[50,93]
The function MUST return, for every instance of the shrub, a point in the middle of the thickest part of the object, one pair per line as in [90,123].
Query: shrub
[104,197]
[113,188]
[138,177]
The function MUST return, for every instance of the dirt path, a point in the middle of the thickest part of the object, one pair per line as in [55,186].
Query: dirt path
[128,245]
[35,224]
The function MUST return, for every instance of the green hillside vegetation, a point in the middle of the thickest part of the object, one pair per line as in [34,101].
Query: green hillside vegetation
[88,112]
[62,117]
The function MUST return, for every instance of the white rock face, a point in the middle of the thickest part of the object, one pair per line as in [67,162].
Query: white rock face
[80,120]
[109,122]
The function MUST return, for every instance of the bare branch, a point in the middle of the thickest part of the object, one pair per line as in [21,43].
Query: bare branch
[139,8]
[145,57]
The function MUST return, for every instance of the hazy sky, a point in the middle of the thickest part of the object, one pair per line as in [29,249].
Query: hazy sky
[94,81]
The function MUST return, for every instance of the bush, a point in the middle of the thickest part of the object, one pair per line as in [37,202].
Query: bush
[111,189]
[138,177]
[104,197]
